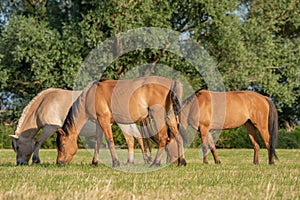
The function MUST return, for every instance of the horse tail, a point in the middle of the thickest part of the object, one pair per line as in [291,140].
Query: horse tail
[175,95]
[273,126]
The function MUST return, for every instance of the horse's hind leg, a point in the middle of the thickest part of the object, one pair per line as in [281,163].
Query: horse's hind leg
[162,137]
[266,138]
[130,144]
[98,143]
[252,132]
[174,130]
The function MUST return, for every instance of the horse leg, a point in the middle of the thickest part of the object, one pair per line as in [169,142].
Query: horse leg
[106,127]
[203,133]
[48,131]
[252,132]
[162,137]
[98,143]
[173,127]
[130,144]
[264,132]
[146,157]
[212,147]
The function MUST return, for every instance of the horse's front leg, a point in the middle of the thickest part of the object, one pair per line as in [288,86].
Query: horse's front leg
[203,133]
[147,158]
[47,132]
[106,127]
[213,148]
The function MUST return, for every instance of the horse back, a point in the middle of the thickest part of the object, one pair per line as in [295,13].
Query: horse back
[132,97]
[55,105]
[225,110]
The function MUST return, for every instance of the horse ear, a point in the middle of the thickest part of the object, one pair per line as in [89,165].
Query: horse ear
[14,137]
[61,132]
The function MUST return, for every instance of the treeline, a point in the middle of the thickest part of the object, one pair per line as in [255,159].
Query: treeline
[254,44]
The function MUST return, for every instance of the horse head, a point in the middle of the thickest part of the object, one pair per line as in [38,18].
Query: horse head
[66,146]
[24,148]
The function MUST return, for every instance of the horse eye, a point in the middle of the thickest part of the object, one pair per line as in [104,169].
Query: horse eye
[17,148]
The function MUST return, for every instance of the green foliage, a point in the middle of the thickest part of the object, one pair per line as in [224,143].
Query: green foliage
[5,140]
[254,44]
[234,138]
[289,140]
[238,138]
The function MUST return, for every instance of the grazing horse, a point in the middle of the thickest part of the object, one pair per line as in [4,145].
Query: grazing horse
[126,102]
[206,110]
[48,111]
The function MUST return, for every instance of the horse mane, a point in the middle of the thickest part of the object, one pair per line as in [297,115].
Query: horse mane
[191,97]
[74,109]
[31,107]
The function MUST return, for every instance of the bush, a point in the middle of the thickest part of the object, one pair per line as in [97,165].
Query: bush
[289,140]
[238,138]
[233,138]
[5,140]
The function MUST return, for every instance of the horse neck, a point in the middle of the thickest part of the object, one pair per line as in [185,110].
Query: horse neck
[27,132]
[28,127]
[75,121]
[28,123]
[189,113]
[79,114]
[184,115]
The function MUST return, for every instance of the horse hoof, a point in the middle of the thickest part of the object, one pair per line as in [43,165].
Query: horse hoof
[116,163]
[95,163]
[148,160]
[35,160]
[129,162]
[182,162]
[218,162]
[155,164]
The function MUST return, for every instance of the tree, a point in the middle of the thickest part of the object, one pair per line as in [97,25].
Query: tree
[255,44]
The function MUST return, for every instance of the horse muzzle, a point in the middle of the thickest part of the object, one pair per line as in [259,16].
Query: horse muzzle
[21,162]
[61,162]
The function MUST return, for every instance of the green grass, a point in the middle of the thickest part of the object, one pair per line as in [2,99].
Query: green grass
[235,178]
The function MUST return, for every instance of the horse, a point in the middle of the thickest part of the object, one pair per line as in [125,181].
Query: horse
[126,102]
[206,110]
[47,111]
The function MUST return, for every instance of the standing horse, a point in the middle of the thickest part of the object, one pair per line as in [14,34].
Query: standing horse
[206,110]
[126,102]
[48,111]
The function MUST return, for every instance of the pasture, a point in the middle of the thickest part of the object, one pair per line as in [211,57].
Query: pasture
[235,178]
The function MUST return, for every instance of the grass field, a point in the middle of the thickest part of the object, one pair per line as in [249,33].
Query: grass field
[235,178]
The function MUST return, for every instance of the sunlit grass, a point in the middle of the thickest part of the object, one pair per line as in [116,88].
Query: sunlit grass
[235,178]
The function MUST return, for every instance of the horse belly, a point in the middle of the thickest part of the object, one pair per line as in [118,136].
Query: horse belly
[228,121]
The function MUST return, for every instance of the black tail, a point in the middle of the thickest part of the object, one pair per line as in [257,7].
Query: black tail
[176,91]
[273,126]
